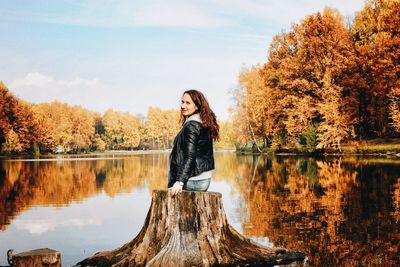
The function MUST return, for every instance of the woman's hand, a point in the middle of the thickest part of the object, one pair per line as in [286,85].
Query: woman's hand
[175,189]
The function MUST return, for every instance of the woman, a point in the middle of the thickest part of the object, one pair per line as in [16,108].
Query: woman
[192,159]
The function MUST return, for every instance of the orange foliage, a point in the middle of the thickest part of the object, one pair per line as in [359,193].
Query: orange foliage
[161,127]
[59,127]
[377,43]
[26,184]
[64,127]
[122,130]
[332,210]
[17,124]
[343,79]
[339,211]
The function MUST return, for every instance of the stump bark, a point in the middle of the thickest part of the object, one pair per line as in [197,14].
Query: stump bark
[37,258]
[190,229]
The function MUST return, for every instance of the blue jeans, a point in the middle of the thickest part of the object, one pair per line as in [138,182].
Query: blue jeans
[191,185]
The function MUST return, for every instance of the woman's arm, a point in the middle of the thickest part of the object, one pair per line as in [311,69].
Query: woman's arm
[191,134]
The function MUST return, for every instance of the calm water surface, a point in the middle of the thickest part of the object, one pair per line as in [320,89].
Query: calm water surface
[340,211]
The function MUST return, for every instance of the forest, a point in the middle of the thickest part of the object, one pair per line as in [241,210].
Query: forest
[61,128]
[326,82]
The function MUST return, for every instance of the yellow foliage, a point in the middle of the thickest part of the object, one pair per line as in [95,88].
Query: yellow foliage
[161,127]
[122,130]
[65,127]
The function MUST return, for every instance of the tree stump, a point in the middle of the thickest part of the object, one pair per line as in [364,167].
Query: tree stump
[190,229]
[37,258]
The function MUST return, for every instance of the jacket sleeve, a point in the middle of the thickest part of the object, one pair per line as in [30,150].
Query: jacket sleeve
[191,134]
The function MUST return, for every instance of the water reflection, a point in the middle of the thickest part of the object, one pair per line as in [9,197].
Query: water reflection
[340,211]
[28,183]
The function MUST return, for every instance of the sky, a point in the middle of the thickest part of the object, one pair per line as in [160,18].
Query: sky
[131,55]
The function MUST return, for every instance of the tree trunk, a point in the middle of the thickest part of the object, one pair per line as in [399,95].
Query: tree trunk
[190,229]
[38,257]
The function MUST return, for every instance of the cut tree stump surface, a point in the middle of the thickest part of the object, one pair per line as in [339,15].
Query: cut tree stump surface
[37,258]
[190,229]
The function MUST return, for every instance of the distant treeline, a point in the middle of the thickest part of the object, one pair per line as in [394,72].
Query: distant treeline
[325,82]
[59,127]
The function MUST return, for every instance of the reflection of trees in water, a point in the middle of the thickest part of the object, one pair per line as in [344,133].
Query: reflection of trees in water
[24,184]
[122,175]
[340,212]
[155,170]
[396,200]
[337,211]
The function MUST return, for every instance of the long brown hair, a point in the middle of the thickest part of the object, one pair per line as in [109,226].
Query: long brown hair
[207,116]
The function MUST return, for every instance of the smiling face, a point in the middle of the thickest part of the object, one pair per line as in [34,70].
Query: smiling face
[188,107]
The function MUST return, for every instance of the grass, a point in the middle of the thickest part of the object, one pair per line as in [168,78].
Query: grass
[369,147]
[375,149]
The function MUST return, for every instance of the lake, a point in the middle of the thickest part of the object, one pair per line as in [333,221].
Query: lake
[339,211]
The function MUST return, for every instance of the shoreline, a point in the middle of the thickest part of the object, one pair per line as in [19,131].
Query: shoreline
[366,148]
[393,155]
[110,154]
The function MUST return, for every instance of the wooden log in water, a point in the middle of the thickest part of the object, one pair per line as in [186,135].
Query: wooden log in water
[37,258]
[190,229]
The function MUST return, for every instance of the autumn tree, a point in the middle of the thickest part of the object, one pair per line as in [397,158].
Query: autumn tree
[334,127]
[12,143]
[376,35]
[121,130]
[130,128]
[83,128]
[16,116]
[325,52]
[394,108]
[258,103]
[288,93]
[227,129]
[64,127]
[277,75]
[161,127]
[55,126]
[152,123]
[6,101]
[342,79]
[171,125]
[293,96]
[239,116]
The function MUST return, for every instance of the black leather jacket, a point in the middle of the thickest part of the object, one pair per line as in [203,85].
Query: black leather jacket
[192,153]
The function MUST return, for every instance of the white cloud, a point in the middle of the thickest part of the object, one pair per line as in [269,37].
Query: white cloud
[37,88]
[40,226]
[138,84]
[37,81]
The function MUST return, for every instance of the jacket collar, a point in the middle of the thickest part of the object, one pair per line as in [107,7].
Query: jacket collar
[194,117]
